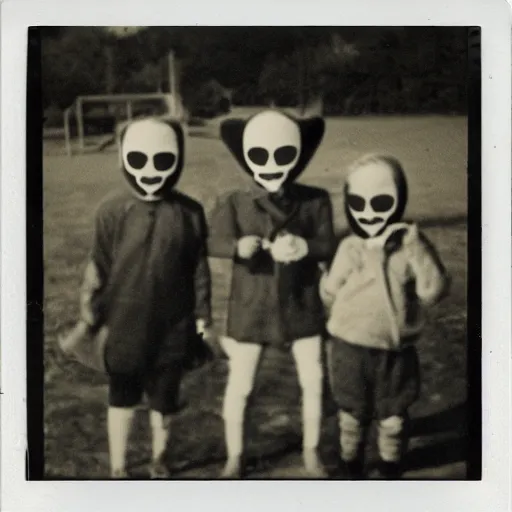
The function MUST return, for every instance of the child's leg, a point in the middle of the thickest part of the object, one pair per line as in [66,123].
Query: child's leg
[243,363]
[397,388]
[349,380]
[352,435]
[391,439]
[160,426]
[124,394]
[162,387]
[307,353]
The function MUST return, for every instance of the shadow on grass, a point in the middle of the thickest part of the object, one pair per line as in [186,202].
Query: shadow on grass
[210,466]
[438,454]
[452,422]
[452,419]
[441,441]
[445,443]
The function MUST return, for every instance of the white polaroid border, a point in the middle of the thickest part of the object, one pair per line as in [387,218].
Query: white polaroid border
[491,494]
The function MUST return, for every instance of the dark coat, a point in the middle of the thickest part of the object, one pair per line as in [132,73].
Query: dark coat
[274,303]
[151,257]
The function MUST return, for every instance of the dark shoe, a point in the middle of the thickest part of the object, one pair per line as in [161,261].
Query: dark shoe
[351,470]
[389,471]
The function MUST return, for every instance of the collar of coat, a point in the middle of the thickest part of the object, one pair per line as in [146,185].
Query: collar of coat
[264,201]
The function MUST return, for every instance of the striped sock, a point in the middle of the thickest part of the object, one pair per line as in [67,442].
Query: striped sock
[351,436]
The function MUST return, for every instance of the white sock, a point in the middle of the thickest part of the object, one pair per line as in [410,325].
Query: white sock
[160,433]
[119,422]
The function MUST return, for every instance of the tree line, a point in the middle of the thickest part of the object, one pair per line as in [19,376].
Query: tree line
[352,70]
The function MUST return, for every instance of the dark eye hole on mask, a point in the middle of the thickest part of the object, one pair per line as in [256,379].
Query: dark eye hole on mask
[356,202]
[137,159]
[258,156]
[164,161]
[382,203]
[285,155]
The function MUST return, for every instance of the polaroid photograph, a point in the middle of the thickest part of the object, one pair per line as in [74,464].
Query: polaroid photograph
[255,248]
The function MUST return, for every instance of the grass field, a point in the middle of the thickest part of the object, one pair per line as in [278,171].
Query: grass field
[433,151]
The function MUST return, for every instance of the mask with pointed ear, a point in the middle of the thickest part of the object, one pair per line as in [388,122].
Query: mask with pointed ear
[152,156]
[273,147]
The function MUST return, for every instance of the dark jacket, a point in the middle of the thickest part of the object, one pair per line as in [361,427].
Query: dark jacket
[274,303]
[151,257]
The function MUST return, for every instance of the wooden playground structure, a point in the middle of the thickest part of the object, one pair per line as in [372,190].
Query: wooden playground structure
[127,99]
[170,102]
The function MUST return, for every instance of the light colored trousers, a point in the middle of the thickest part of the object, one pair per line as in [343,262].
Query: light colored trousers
[244,359]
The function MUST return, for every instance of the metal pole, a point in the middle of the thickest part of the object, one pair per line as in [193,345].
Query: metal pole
[177,92]
[129,113]
[67,133]
[80,123]
[172,82]
[118,144]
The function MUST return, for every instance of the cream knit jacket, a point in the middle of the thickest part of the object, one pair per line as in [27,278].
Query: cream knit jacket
[377,289]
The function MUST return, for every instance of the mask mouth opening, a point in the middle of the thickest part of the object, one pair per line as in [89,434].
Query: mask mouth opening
[372,221]
[151,181]
[269,176]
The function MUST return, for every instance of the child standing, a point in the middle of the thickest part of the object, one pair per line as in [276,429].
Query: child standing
[382,278]
[275,234]
[148,282]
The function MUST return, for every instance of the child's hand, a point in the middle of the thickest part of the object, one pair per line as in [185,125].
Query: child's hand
[287,248]
[412,235]
[299,247]
[247,246]
[209,337]
[86,313]
[393,228]
[202,328]
[410,243]
[325,295]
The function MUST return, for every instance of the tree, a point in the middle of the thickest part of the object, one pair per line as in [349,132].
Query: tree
[73,64]
[354,69]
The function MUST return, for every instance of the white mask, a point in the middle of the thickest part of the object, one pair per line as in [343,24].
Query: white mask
[271,148]
[150,155]
[372,196]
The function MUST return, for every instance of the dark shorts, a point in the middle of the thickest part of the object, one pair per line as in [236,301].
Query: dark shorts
[161,385]
[159,376]
[370,383]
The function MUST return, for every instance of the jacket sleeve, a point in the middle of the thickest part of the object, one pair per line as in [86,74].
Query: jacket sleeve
[103,242]
[202,277]
[223,234]
[91,286]
[322,245]
[342,266]
[432,279]
[98,267]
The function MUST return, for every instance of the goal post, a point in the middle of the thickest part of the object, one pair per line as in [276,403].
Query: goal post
[171,105]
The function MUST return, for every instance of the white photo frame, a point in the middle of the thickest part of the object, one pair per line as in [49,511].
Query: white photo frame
[493,492]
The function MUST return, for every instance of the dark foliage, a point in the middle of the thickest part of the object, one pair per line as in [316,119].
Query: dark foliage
[354,70]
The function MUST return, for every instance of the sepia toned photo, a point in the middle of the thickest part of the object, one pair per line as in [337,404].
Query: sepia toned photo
[259,251]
